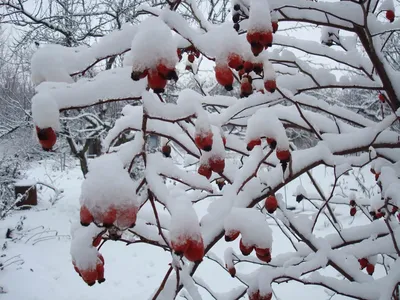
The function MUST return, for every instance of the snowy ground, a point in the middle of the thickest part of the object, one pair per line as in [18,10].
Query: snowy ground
[42,265]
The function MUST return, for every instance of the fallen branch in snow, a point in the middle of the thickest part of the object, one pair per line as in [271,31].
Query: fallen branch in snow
[57,191]
[12,260]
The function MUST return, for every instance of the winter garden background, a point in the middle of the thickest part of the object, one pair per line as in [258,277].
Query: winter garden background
[243,149]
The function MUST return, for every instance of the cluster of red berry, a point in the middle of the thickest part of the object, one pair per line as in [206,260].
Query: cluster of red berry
[123,217]
[156,77]
[90,275]
[204,141]
[192,54]
[365,264]
[283,155]
[263,254]
[224,75]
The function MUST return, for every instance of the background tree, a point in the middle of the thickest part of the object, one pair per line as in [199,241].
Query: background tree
[72,23]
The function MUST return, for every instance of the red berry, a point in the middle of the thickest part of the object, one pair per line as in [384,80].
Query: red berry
[191,58]
[253,37]
[379,215]
[271,143]
[390,15]
[85,216]
[89,276]
[352,202]
[270,85]
[246,89]
[266,258]
[382,98]
[370,269]
[283,155]
[245,249]
[204,141]
[180,245]
[258,68]
[257,48]
[271,204]
[144,74]
[163,70]
[166,150]
[231,271]
[253,143]
[217,164]
[191,48]
[353,211]
[263,251]
[231,235]
[363,263]
[235,61]
[254,295]
[109,217]
[47,137]
[224,76]
[275,27]
[248,66]
[137,75]
[205,171]
[96,241]
[263,254]
[195,251]
[156,82]
[266,39]
[100,272]
[126,218]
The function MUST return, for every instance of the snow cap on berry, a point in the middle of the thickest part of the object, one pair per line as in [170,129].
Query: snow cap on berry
[260,16]
[184,221]
[45,111]
[107,184]
[153,44]
[387,5]
[252,226]
[266,124]
[269,72]
[84,255]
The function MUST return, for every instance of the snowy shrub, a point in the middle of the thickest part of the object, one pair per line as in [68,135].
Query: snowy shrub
[9,172]
[241,144]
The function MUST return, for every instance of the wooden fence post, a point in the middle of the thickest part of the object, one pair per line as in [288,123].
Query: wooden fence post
[27,189]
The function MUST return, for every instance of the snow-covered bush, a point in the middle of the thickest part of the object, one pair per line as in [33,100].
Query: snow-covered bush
[241,144]
[9,172]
